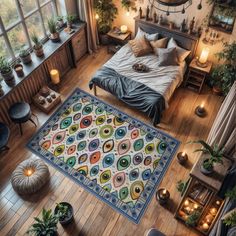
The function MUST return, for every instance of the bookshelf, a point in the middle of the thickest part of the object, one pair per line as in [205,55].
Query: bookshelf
[201,198]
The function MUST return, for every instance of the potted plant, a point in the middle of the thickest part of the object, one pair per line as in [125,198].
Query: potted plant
[213,155]
[70,20]
[193,218]
[64,210]
[38,47]
[25,56]
[223,76]
[18,68]
[52,26]
[182,186]
[106,12]
[45,226]
[60,21]
[6,70]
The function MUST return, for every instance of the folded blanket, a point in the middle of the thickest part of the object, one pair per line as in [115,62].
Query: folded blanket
[131,92]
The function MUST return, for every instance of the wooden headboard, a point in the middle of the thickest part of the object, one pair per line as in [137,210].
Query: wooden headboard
[184,40]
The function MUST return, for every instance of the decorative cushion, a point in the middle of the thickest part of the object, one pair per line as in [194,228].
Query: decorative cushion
[149,37]
[161,43]
[140,46]
[181,52]
[167,57]
[24,182]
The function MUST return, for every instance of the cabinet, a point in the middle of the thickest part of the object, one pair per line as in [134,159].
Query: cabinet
[79,45]
[200,197]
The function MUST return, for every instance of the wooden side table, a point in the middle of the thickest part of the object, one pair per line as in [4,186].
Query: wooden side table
[201,196]
[117,40]
[197,75]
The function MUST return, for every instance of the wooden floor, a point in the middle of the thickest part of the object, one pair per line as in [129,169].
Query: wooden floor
[92,216]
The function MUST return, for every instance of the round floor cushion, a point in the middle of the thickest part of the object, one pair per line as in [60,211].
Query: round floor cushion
[29,176]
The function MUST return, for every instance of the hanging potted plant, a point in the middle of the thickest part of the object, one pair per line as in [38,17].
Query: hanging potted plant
[65,212]
[70,19]
[106,13]
[223,76]
[38,47]
[6,70]
[25,56]
[52,26]
[45,226]
[213,155]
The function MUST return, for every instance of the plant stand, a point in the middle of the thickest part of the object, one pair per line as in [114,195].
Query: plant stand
[201,196]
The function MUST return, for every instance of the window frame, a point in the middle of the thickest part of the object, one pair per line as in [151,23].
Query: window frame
[22,20]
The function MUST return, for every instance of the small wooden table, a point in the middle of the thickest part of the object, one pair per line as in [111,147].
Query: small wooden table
[197,75]
[117,40]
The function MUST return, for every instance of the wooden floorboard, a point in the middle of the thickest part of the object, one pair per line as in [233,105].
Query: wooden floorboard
[92,216]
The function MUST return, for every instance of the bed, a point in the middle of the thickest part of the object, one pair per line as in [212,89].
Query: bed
[148,92]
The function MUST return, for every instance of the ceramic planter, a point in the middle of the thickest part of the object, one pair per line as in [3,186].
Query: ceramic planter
[69,25]
[18,68]
[55,37]
[204,170]
[26,59]
[69,218]
[8,77]
[38,51]
[60,23]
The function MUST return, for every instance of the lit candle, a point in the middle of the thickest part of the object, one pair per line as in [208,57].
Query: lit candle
[202,105]
[162,195]
[205,226]
[186,202]
[209,218]
[195,206]
[96,16]
[182,157]
[204,55]
[55,76]
[218,203]
[213,211]
[28,172]
[123,29]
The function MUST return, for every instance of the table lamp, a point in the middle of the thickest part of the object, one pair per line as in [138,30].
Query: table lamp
[202,61]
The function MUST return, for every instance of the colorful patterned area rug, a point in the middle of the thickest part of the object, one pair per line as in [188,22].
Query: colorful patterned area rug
[112,155]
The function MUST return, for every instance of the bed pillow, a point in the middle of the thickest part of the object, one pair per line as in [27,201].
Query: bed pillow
[149,37]
[140,46]
[167,57]
[181,52]
[161,43]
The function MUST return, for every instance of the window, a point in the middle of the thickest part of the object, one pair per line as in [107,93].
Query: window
[19,19]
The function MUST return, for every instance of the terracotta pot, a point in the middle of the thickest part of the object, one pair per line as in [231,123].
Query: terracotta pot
[18,68]
[38,51]
[26,60]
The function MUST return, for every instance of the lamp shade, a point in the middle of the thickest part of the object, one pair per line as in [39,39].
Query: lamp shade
[55,76]
[204,55]
[123,29]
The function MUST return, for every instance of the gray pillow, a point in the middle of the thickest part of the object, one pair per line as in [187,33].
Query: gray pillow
[167,57]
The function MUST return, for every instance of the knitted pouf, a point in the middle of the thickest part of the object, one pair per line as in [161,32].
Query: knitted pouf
[29,176]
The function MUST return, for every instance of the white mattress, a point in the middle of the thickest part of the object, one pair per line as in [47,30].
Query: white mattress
[163,80]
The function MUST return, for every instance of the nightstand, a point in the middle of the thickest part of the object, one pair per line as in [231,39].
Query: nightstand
[117,40]
[197,75]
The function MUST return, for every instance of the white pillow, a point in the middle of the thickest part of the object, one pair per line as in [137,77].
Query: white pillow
[181,52]
[149,37]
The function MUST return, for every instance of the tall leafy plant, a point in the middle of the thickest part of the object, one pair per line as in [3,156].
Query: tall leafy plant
[223,76]
[106,11]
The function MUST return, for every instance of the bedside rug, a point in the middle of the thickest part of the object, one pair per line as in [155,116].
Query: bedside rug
[112,155]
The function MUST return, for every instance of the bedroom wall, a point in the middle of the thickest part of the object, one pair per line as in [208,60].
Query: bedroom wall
[192,11]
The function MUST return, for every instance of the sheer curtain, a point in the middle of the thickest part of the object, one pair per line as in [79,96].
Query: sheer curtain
[86,13]
[223,131]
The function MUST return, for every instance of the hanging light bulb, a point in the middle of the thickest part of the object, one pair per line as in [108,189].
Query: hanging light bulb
[199,6]
[183,10]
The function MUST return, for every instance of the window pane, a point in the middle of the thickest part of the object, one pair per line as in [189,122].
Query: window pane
[8,12]
[41,2]
[48,12]
[28,6]
[33,24]
[17,38]
[3,48]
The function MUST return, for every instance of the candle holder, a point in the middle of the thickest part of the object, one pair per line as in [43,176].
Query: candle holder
[182,157]
[202,65]
[162,196]
[200,111]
